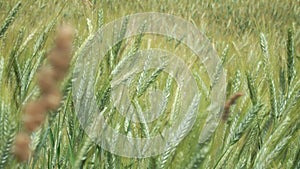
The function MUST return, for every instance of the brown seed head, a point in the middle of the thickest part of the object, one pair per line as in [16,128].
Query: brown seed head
[34,115]
[46,80]
[52,99]
[21,147]
[64,38]
[59,59]
[35,112]
[229,103]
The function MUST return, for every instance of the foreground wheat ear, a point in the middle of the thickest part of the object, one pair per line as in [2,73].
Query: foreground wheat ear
[48,79]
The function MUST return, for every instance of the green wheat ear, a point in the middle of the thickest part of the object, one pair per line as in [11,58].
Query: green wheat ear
[7,133]
[290,56]
[6,149]
[100,18]
[252,88]
[9,19]
[265,50]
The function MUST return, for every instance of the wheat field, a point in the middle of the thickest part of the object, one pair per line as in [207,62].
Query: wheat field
[258,43]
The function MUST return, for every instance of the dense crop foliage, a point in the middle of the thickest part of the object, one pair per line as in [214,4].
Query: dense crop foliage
[259,46]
